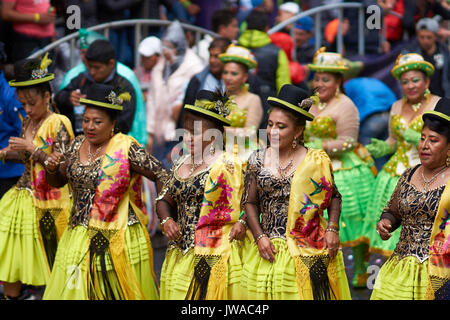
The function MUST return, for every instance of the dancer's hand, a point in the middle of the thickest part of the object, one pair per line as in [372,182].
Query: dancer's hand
[266,249]
[384,227]
[172,230]
[16,143]
[237,232]
[332,243]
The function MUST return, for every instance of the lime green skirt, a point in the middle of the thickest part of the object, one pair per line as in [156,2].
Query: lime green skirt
[401,279]
[262,280]
[68,280]
[177,273]
[382,191]
[22,256]
[355,186]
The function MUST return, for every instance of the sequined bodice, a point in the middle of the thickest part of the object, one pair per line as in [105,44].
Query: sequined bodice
[405,155]
[321,127]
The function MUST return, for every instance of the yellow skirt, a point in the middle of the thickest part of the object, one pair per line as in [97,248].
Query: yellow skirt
[22,257]
[68,280]
[262,280]
[177,274]
[401,279]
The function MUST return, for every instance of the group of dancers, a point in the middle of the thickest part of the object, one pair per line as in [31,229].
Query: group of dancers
[267,225]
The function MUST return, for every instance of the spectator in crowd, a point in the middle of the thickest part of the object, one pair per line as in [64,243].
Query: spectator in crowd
[101,68]
[150,52]
[247,6]
[286,11]
[393,11]
[11,116]
[273,64]
[170,78]
[432,50]
[304,40]
[225,24]
[33,24]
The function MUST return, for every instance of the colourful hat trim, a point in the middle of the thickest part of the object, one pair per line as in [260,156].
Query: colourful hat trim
[101,104]
[327,62]
[411,61]
[238,54]
[299,109]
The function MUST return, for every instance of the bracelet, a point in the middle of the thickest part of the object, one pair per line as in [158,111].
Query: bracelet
[164,221]
[333,225]
[2,155]
[34,151]
[37,17]
[332,230]
[260,236]
[242,221]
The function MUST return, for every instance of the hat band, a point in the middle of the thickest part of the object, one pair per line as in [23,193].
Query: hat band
[207,112]
[295,108]
[101,104]
[437,113]
[27,83]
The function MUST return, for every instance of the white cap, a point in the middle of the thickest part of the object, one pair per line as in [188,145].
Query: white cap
[291,7]
[149,46]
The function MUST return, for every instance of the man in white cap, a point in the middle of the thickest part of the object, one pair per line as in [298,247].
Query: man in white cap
[150,51]
[434,51]
[285,11]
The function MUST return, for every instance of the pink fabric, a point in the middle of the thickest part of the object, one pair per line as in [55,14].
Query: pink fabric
[32,29]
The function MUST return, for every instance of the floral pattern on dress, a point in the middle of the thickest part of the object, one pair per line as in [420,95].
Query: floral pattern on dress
[209,228]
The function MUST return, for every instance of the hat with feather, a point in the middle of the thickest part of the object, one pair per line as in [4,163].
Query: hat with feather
[105,96]
[30,72]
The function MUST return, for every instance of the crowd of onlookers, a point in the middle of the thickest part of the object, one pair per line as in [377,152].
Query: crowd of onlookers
[173,62]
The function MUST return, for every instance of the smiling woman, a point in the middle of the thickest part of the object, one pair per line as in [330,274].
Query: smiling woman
[106,244]
[419,268]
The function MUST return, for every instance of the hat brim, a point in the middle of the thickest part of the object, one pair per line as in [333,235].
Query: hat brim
[319,68]
[424,66]
[27,83]
[208,113]
[101,104]
[224,58]
[432,114]
[288,106]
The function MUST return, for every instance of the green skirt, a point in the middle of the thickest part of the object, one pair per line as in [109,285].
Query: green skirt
[355,185]
[177,273]
[22,256]
[68,280]
[262,280]
[383,189]
[401,279]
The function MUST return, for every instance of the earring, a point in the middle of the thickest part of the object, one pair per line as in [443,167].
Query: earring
[448,161]
[294,143]
[212,149]
[337,93]
[112,132]
[426,94]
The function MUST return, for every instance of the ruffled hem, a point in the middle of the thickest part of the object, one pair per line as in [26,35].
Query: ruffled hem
[68,280]
[21,253]
[355,186]
[401,279]
[382,191]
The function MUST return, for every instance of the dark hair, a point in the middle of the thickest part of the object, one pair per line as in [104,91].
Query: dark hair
[220,43]
[101,51]
[298,120]
[438,126]
[209,122]
[257,20]
[222,17]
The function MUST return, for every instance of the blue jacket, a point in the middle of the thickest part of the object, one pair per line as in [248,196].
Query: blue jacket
[10,125]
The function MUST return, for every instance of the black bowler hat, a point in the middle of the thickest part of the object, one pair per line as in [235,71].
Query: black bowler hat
[294,99]
[29,72]
[105,96]
[441,111]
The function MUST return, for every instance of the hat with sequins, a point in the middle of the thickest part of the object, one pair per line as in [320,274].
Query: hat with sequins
[30,72]
[328,62]
[240,55]
[411,61]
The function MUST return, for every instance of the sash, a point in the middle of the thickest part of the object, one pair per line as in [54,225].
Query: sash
[219,212]
[310,195]
[438,287]
[116,192]
[52,204]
